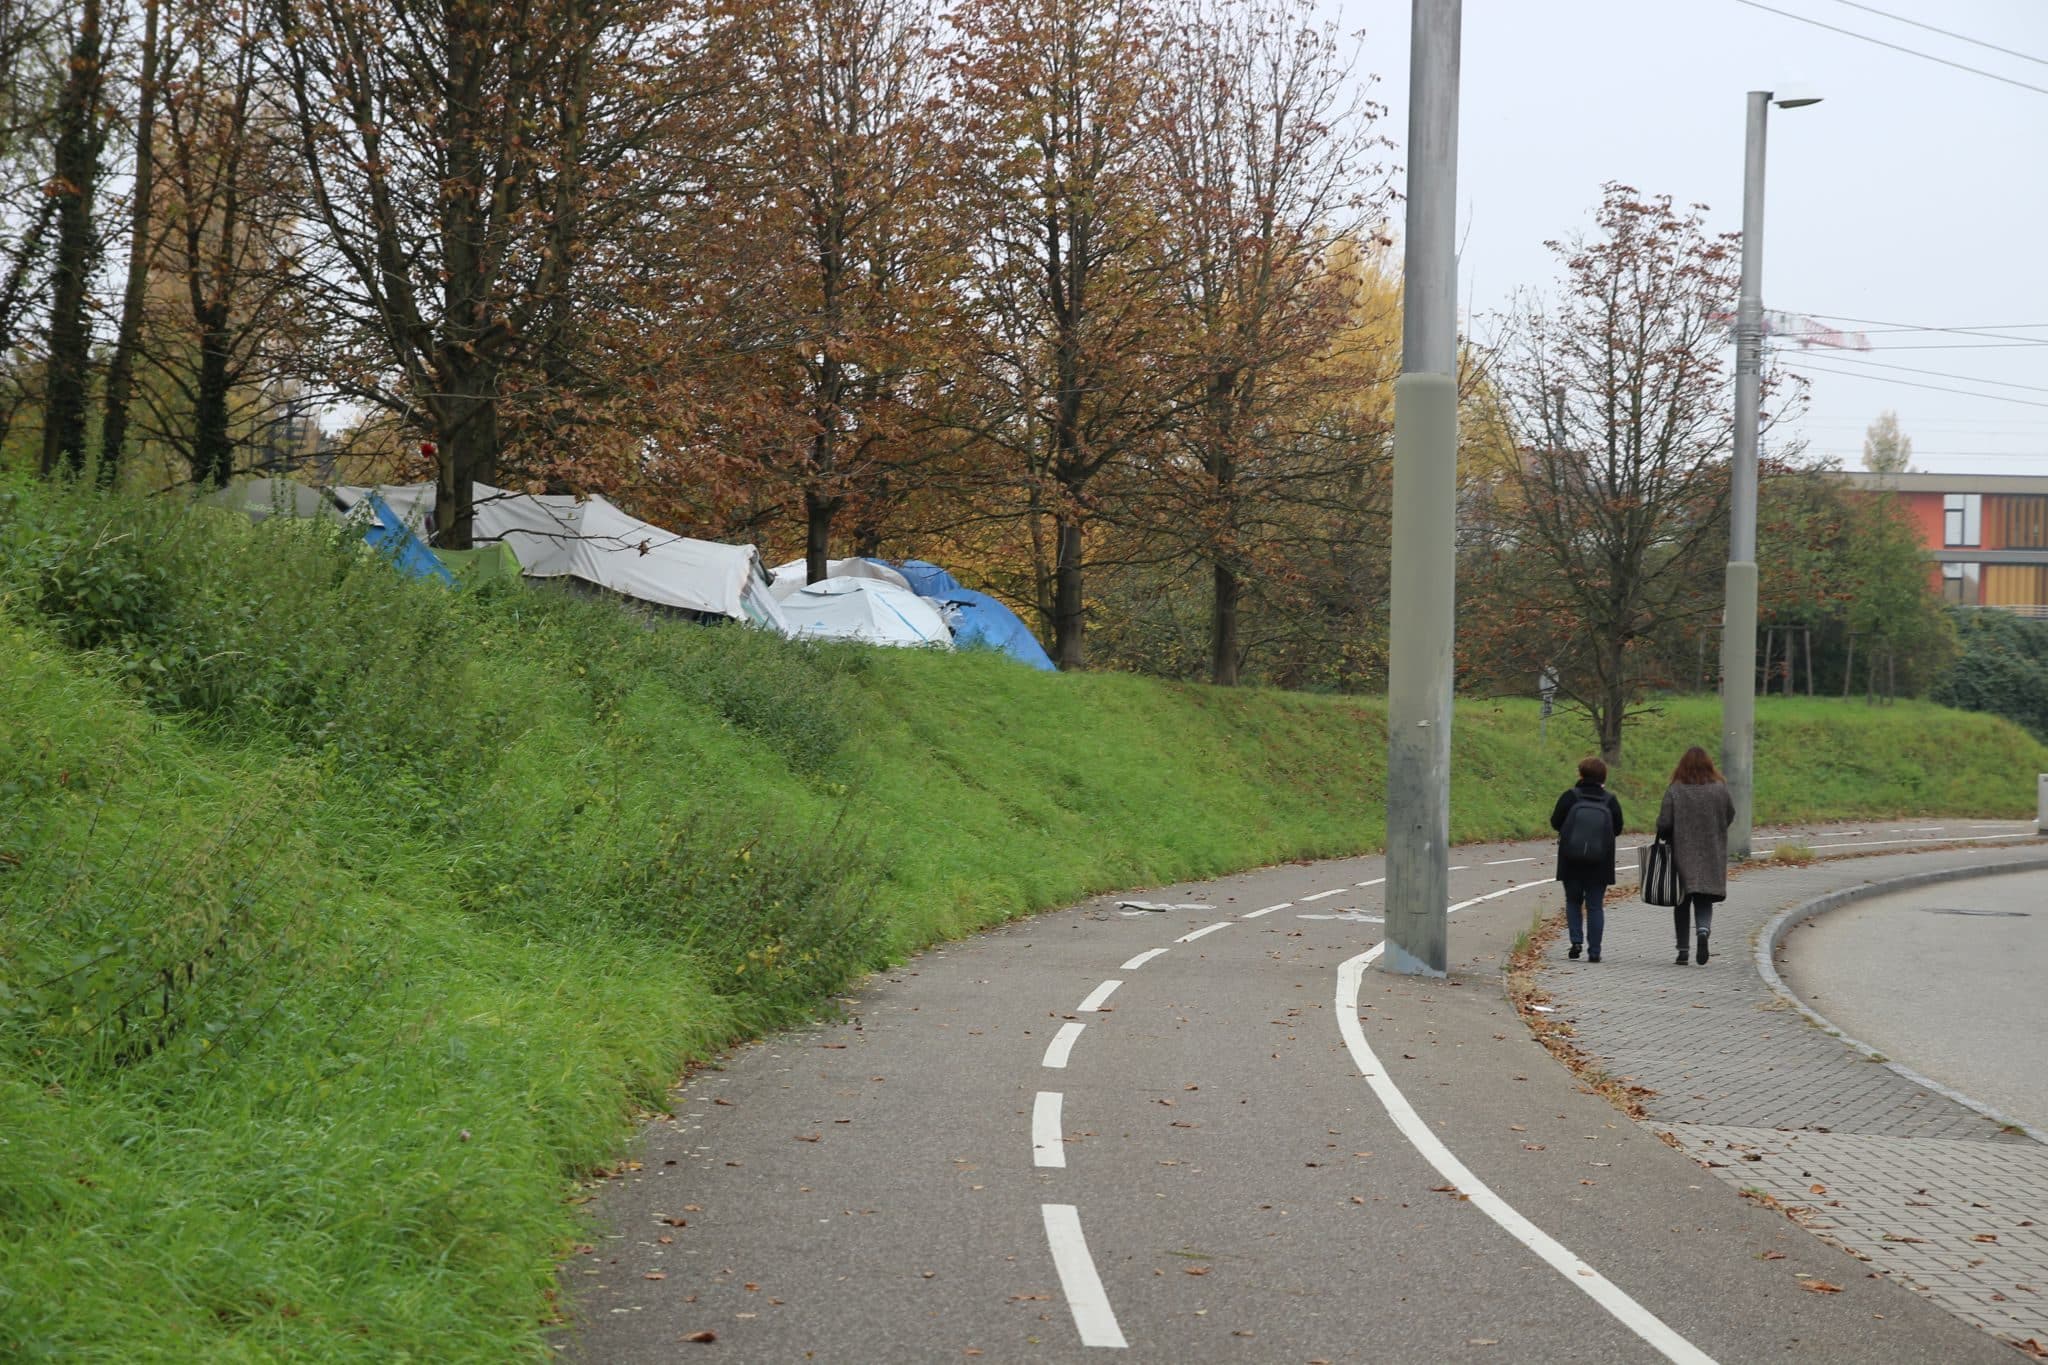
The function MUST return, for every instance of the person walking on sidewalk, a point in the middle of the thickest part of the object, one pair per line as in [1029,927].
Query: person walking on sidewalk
[1695,816]
[1587,819]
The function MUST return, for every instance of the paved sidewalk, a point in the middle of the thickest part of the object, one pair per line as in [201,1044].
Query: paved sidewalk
[1921,1188]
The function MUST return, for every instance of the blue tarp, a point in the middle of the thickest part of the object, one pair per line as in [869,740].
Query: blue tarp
[925,578]
[979,620]
[391,535]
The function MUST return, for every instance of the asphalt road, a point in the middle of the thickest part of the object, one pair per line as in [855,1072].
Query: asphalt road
[1956,996]
[1201,1166]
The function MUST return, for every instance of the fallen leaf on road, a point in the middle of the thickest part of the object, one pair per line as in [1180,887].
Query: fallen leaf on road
[655,1275]
[722,1100]
[1985,1237]
[666,1240]
[1819,1287]
[809,1137]
[1443,1189]
[1774,1256]
[1197,1270]
[2033,1347]
[1030,1298]
[1900,1237]
[1816,1189]
[1358,1199]
[1481,1341]
[702,1336]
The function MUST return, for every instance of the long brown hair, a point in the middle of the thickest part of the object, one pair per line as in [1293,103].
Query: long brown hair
[1695,768]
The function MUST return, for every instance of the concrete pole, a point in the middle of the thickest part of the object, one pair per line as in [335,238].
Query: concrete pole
[1738,637]
[1425,511]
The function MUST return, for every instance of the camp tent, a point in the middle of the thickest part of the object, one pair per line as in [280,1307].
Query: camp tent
[980,620]
[865,609]
[593,541]
[793,575]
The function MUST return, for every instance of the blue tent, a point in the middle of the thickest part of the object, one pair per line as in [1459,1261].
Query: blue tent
[980,620]
[391,535]
[925,578]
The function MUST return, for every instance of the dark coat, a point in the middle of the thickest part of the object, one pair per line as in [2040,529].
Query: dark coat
[1695,817]
[1600,872]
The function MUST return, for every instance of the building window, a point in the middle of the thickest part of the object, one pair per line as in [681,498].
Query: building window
[1962,519]
[1959,584]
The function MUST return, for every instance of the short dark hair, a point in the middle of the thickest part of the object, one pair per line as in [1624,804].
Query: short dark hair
[1593,770]
[1695,768]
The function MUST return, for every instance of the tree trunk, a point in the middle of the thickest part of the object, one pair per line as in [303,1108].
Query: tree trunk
[1849,667]
[468,454]
[818,514]
[213,448]
[73,182]
[1068,648]
[1223,626]
[1613,704]
[1809,663]
[121,368]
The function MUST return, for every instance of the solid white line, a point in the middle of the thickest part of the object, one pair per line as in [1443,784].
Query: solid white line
[1503,862]
[1324,895]
[1601,1290]
[1048,1142]
[1141,959]
[1062,1044]
[1100,994]
[1461,867]
[1374,882]
[1944,839]
[1496,895]
[1205,929]
[1254,914]
[1093,1317]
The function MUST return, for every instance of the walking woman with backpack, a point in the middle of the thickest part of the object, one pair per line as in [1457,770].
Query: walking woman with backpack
[1587,819]
[1695,816]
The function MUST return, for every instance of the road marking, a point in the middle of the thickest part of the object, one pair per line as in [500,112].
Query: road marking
[1141,959]
[1349,917]
[1461,867]
[1503,862]
[1205,929]
[1944,839]
[1494,896]
[1324,895]
[1093,1317]
[1601,1290]
[1374,882]
[1048,1143]
[1062,1044]
[1100,994]
[1254,914]
[1160,906]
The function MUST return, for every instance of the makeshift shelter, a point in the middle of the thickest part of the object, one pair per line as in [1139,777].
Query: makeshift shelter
[593,541]
[865,609]
[925,578]
[405,550]
[793,575]
[978,620]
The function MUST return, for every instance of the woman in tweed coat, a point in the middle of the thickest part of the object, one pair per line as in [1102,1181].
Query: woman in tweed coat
[1695,816]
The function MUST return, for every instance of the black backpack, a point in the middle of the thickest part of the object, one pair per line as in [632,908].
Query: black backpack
[1588,831]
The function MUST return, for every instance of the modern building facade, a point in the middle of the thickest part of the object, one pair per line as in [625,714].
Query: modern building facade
[1987,534]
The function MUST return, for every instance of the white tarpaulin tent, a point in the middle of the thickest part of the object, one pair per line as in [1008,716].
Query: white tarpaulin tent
[593,541]
[791,576]
[865,609]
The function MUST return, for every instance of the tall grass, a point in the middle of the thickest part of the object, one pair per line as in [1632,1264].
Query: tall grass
[343,920]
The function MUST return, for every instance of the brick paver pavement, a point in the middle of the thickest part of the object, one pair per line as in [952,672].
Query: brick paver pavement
[1921,1188]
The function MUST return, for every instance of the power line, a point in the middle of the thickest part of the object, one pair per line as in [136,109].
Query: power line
[1946,33]
[1954,331]
[1909,51]
[1962,346]
[1914,384]
[1940,374]
[1982,327]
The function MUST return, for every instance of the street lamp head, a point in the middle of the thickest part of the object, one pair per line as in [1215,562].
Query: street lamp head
[1795,98]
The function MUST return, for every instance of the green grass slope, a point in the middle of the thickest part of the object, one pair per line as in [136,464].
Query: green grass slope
[344,921]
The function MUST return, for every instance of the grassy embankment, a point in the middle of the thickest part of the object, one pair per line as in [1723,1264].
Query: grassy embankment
[344,920]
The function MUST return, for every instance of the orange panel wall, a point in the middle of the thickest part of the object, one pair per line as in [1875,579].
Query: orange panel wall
[1923,510]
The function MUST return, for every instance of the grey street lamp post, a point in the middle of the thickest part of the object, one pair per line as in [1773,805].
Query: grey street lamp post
[1738,633]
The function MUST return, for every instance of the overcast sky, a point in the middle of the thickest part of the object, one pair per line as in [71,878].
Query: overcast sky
[1915,195]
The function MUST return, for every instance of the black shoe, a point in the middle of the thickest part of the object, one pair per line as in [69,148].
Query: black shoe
[1592,957]
[1574,953]
[1701,953]
[1681,957]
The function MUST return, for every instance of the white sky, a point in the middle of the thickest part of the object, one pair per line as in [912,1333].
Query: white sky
[1914,194]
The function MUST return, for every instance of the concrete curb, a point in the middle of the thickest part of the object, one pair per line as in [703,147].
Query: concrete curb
[1785,921]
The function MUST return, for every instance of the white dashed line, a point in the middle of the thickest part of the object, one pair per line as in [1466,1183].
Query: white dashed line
[1100,994]
[1601,1290]
[1062,1044]
[1048,1142]
[1461,867]
[1093,1317]
[1374,882]
[1141,959]
[1324,895]
[1944,839]
[1254,914]
[1205,929]
[1503,862]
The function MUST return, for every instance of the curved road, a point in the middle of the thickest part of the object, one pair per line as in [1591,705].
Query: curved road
[1945,979]
[1203,1133]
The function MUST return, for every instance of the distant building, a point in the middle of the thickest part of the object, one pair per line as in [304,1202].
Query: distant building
[1987,534]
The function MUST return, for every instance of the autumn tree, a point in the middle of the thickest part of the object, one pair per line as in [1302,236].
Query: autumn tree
[1056,169]
[1615,399]
[120,378]
[1268,182]
[81,128]
[1886,449]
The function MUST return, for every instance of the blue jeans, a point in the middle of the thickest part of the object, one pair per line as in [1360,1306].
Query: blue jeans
[1585,911]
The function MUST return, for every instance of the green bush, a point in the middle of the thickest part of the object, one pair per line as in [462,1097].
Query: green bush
[2002,669]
